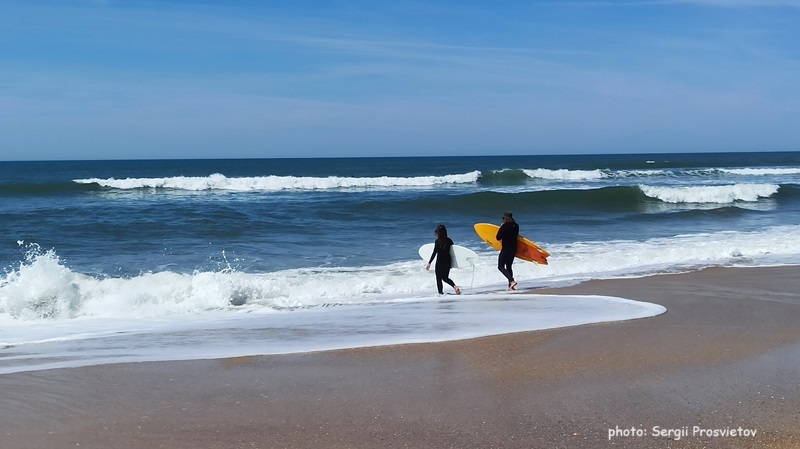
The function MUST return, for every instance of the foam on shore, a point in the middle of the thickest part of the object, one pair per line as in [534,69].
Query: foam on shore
[218,334]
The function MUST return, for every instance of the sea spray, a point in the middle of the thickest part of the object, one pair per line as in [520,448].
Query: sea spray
[40,287]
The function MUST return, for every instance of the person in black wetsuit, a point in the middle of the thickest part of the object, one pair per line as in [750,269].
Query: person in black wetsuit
[507,235]
[441,251]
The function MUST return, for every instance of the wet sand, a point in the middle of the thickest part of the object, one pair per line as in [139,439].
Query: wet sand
[724,358]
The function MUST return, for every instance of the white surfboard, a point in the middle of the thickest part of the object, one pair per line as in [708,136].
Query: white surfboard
[461,257]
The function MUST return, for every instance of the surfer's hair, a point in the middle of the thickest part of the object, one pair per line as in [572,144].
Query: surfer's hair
[441,232]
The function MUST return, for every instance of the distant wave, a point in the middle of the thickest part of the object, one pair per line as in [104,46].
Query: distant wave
[277,183]
[515,175]
[566,175]
[761,171]
[605,199]
[724,194]
[53,188]
[633,198]
[503,177]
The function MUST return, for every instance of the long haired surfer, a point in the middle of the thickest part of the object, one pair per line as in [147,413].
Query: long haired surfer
[441,252]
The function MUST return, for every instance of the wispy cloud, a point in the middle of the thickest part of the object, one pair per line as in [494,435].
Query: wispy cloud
[741,3]
[795,4]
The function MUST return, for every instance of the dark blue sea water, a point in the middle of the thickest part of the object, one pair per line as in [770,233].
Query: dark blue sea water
[133,240]
[127,217]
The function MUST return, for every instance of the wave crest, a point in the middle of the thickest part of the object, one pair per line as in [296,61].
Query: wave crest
[724,194]
[40,288]
[43,288]
[219,181]
[565,175]
[761,171]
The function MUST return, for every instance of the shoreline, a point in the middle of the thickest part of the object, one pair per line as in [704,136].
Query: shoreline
[726,355]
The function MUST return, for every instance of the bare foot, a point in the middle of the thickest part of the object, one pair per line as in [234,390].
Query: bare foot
[458,290]
[513,285]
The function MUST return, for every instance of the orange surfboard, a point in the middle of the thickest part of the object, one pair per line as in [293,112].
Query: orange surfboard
[526,249]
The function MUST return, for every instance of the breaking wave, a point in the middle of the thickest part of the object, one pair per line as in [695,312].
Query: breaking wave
[723,194]
[219,181]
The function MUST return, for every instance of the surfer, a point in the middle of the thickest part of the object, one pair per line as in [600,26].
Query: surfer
[507,235]
[441,248]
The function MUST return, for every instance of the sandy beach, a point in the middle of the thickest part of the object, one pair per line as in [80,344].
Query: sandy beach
[720,369]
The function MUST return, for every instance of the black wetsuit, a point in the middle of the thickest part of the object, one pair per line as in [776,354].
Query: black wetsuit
[441,248]
[507,234]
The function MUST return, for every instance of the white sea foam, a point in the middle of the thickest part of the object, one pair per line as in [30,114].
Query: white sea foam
[218,181]
[83,319]
[642,173]
[565,175]
[424,319]
[601,174]
[761,171]
[723,194]
[42,287]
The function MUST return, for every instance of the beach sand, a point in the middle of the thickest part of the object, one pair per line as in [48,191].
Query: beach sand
[726,356]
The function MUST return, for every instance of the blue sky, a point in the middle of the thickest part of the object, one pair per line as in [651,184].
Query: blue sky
[94,79]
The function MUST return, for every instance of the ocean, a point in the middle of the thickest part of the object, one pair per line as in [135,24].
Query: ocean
[125,261]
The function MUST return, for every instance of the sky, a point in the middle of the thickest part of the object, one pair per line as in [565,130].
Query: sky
[143,79]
